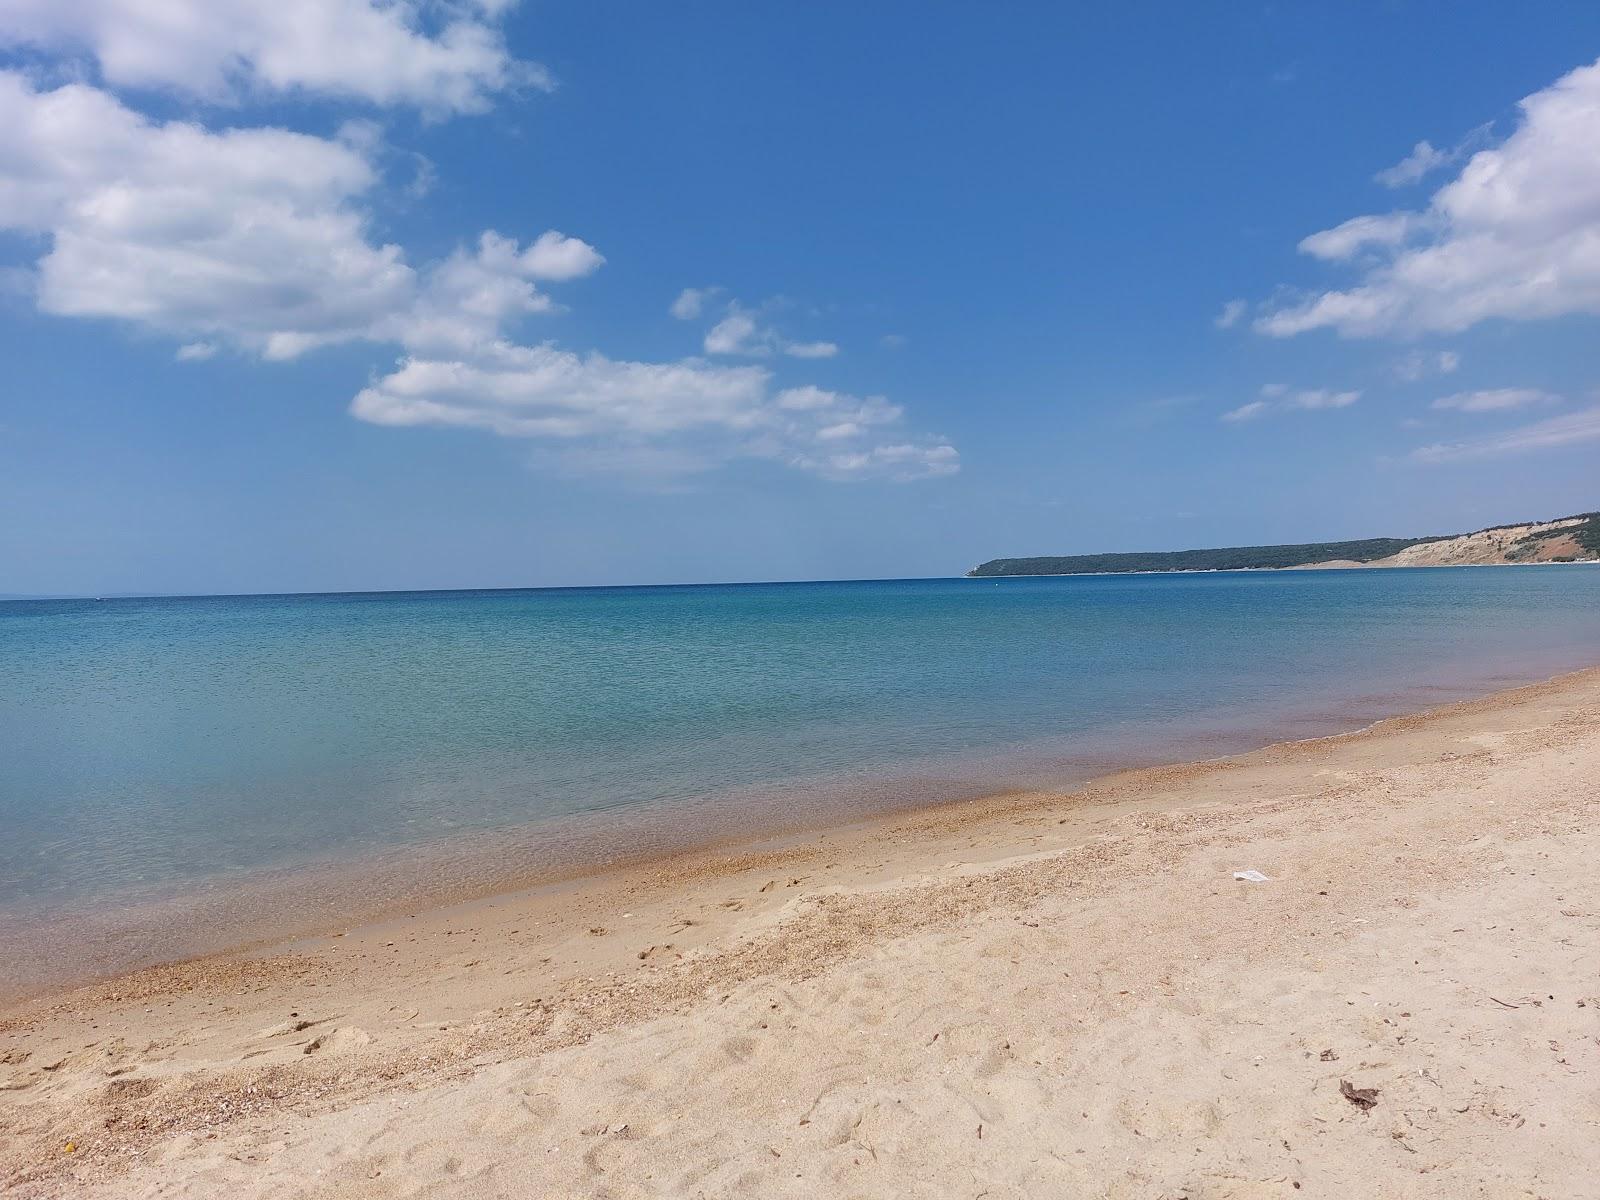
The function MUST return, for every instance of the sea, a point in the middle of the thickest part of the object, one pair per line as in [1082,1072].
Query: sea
[178,774]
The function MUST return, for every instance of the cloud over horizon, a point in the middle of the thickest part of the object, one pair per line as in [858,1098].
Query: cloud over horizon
[1554,433]
[260,239]
[729,411]
[1515,236]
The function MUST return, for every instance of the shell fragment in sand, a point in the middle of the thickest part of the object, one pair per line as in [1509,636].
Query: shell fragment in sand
[1251,876]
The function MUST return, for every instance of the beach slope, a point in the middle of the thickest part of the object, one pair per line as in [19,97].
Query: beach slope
[1032,995]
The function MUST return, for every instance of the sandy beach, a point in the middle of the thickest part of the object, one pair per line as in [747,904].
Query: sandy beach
[1064,995]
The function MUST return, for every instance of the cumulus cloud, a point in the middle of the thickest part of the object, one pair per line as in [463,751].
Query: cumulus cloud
[1281,397]
[253,237]
[1516,235]
[741,333]
[259,240]
[1494,400]
[542,391]
[556,257]
[1554,433]
[246,235]
[691,302]
[468,298]
[736,333]
[690,412]
[441,57]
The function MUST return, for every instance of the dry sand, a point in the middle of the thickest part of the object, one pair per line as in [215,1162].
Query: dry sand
[1047,995]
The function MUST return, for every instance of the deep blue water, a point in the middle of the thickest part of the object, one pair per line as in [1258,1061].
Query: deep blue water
[159,743]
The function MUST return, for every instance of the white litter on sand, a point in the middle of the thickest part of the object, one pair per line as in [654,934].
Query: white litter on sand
[1251,876]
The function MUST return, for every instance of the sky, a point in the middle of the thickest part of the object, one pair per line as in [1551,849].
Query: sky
[318,295]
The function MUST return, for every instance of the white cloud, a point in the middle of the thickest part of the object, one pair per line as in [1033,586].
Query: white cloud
[1410,169]
[1230,314]
[901,462]
[558,258]
[440,57]
[1280,397]
[1361,233]
[689,412]
[740,333]
[1494,400]
[251,237]
[806,399]
[542,391]
[838,406]
[1554,433]
[810,349]
[1426,158]
[736,333]
[691,302]
[467,299]
[248,236]
[259,240]
[1515,236]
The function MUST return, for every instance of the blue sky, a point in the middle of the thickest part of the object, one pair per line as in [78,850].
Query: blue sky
[964,281]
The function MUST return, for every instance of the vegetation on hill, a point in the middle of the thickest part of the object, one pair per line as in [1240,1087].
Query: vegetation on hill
[1588,534]
[1238,558]
[1227,558]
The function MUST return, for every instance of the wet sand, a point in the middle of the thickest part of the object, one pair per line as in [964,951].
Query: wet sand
[1033,994]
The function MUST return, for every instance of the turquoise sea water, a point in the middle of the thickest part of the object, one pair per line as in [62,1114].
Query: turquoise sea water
[156,747]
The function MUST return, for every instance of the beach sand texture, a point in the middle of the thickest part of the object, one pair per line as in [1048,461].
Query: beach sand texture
[1063,995]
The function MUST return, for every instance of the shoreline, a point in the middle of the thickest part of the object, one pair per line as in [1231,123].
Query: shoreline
[612,1027]
[255,910]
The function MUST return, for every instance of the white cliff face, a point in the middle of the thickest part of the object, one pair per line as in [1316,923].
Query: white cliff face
[1544,541]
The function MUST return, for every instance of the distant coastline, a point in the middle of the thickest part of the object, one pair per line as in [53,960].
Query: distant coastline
[1319,566]
[1573,539]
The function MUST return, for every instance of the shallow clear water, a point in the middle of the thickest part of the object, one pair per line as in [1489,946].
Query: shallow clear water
[148,746]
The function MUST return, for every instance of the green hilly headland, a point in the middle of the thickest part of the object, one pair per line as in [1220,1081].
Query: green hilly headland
[1565,539]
